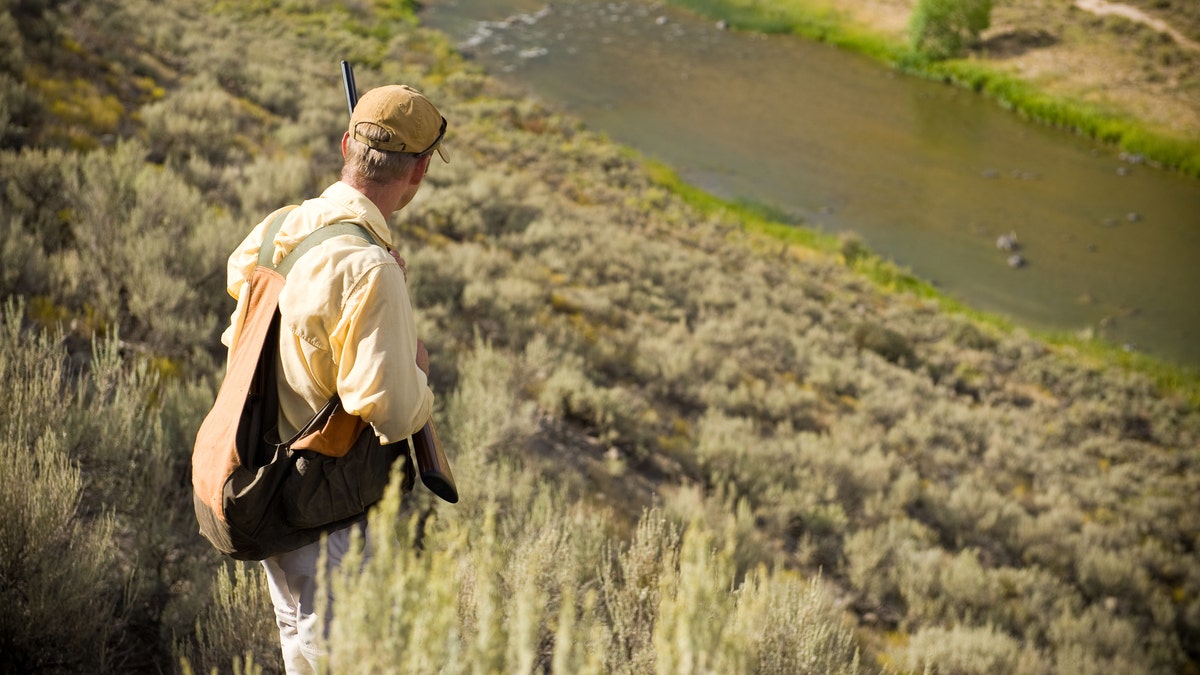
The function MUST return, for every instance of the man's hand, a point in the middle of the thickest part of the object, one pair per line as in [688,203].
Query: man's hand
[422,358]
[400,262]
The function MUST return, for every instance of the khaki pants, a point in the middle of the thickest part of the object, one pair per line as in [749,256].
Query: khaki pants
[292,579]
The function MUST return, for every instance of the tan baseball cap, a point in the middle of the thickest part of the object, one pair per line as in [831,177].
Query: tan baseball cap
[412,124]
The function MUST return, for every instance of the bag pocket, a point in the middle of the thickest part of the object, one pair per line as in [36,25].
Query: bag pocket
[322,489]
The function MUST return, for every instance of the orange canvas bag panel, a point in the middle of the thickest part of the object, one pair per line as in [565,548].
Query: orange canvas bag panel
[255,495]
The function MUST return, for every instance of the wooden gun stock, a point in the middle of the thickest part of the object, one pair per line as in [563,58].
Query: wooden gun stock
[432,464]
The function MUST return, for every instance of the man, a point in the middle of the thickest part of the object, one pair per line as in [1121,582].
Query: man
[346,323]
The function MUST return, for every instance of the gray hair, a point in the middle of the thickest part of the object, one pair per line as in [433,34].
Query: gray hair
[375,166]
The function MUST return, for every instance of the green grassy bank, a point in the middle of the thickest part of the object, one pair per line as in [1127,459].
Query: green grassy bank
[850,251]
[817,21]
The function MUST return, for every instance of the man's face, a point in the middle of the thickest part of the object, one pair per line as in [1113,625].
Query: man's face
[413,183]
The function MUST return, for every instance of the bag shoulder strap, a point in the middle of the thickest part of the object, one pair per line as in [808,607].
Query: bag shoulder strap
[320,235]
[266,251]
[331,431]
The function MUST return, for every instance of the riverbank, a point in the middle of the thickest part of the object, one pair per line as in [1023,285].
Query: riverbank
[802,243]
[1126,76]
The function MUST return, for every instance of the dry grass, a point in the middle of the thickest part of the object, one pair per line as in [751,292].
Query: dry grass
[1105,60]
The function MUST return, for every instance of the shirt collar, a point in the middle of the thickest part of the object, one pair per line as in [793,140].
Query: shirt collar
[364,210]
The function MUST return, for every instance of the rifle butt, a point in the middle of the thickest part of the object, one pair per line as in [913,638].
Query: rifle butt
[432,464]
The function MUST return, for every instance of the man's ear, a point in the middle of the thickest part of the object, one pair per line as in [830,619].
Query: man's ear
[419,169]
[345,140]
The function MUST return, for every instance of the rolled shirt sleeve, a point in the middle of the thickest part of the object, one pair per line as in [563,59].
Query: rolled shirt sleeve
[375,344]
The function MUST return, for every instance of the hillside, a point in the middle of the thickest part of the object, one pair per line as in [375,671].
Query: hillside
[682,444]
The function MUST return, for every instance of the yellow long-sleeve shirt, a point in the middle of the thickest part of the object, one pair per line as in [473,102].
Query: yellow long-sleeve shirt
[346,321]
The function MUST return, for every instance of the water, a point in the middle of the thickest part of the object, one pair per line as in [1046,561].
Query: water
[929,175]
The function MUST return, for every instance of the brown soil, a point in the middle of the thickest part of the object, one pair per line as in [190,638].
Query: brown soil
[1137,58]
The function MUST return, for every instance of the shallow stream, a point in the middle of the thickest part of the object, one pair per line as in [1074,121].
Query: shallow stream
[929,175]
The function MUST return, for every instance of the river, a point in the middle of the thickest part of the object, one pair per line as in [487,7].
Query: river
[928,175]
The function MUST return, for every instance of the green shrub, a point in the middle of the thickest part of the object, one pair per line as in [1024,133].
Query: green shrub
[610,412]
[200,119]
[84,464]
[140,260]
[773,622]
[18,110]
[942,29]
[61,587]
[35,195]
[238,622]
[1096,640]
[23,265]
[964,650]
[631,587]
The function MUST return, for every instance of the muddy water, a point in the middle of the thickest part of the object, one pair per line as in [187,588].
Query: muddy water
[928,175]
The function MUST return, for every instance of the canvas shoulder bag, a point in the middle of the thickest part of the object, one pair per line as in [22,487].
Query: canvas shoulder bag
[254,494]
